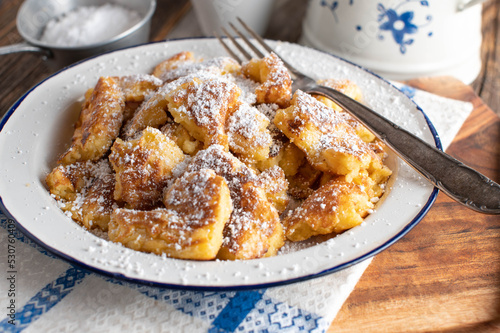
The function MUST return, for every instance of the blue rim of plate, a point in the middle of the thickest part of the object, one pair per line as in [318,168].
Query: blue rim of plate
[121,277]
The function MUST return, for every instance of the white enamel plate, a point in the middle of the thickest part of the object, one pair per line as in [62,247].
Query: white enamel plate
[38,128]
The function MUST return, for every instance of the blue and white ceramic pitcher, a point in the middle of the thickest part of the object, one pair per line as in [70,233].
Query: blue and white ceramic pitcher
[399,39]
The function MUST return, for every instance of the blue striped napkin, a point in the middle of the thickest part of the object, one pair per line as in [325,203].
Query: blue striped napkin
[41,293]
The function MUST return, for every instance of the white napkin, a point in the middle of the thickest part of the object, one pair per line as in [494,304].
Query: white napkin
[46,294]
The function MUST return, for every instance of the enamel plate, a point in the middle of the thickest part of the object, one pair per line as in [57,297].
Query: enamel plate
[38,128]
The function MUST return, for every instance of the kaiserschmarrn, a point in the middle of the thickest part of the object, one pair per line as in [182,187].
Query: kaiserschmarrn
[208,159]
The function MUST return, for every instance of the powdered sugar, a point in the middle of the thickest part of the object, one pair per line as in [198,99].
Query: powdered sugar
[248,122]
[144,84]
[319,114]
[343,142]
[336,133]
[225,165]
[213,66]
[209,100]
[200,192]
[247,88]
[205,100]
[268,110]
[89,25]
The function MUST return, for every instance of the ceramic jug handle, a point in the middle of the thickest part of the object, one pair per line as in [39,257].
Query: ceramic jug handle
[463,5]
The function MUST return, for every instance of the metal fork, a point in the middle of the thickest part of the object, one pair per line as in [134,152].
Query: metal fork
[460,182]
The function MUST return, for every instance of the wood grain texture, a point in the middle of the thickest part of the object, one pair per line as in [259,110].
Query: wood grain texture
[487,83]
[444,275]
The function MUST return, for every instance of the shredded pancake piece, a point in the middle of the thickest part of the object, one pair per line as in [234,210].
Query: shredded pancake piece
[254,218]
[190,226]
[275,81]
[99,123]
[172,63]
[143,168]
[136,88]
[335,207]
[217,66]
[350,89]
[202,105]
[85,192]
[254,229]
[330,143]
[249,137]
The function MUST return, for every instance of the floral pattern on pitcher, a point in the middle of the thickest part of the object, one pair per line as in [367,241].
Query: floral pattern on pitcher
[333,7]
[398,21]
[401,24]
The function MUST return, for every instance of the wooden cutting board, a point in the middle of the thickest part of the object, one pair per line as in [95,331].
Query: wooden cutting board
[444,275]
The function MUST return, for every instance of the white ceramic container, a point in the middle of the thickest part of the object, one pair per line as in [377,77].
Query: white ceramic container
[214,14]
[399,39]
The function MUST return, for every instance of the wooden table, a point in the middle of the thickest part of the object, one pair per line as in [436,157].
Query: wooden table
[442,276]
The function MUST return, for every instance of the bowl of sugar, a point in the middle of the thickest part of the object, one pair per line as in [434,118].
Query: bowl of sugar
[66,31]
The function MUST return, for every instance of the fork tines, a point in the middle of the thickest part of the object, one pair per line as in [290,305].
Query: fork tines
[238,45]
[246,41]
[251,45]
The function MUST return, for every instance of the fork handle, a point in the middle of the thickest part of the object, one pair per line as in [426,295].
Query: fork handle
[457,180]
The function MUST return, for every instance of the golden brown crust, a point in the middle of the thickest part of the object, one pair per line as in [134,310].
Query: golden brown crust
[137,87]
[254,218]
[336,206]
[184,63]
[249,138]
[98,203]
[275,184]
[345,86]
[202,105]
[226,165]
[330,143]
[275,81]
[99,123]
[143,167]
[151,113]
[65,181]
[190,227]
[84,191]
[172,63]
[254,229]
[352,90]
